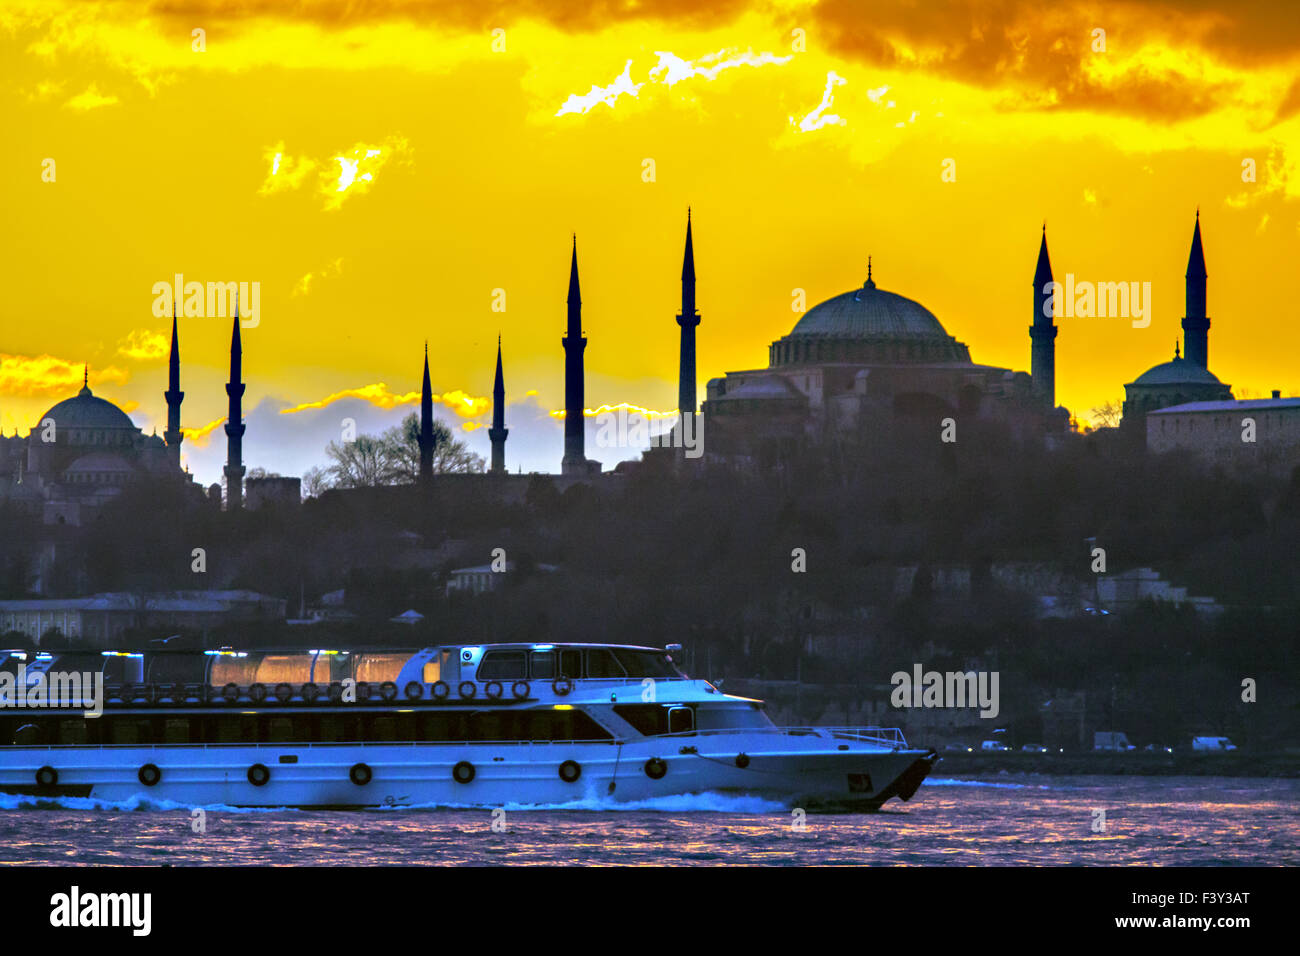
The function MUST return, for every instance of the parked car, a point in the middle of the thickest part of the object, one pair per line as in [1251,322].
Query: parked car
[1158,748]
[993,745]
[1034,749]
[1111,740]
[1215,744]
[958,748]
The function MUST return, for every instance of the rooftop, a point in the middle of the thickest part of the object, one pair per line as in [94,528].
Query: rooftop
[1240,405]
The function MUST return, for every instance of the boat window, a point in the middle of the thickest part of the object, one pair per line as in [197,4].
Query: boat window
[227,669]
[504,665]
[570,663]
[543,665]
[681,720]
[240,729]
[331,666]
[732,717]
[648,719]
[278,730]
[377,668]
[432,671]
[128,730]
[337,728]
[176,730]
[487,727]
[29,735]
[74,730]
[601,663]
[646,663]
[284,668]
[435,726]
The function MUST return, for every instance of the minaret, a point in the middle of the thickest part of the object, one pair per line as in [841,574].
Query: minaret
[498,432]
[234,469]
[174,396]
[1042,334]
[688,320]
[575,343]
[1196,326]
[426,424]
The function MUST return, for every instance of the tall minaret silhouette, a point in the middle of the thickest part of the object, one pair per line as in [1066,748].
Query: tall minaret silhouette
[174,396]
[426,424]
[575,343]
[498,432]
[688,320]
[1196,326]
[234,470]
[1042,334]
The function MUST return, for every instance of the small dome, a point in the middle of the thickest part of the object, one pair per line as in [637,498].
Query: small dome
[87,411]
[870,312]
[1179,371]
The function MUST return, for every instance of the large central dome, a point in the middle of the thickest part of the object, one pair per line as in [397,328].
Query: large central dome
[87,411]
[870,313]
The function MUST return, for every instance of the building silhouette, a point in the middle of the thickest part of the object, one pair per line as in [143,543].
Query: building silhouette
[575,461]
[426,424]
[234,470]
[498,432]
[1186,377]
[1042,333]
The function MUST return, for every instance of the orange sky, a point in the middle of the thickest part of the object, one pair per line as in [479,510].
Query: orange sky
[468,165]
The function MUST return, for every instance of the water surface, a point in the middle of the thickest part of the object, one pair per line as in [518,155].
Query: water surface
[991,820]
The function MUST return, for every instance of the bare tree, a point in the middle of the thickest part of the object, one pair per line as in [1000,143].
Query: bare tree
[1107,415]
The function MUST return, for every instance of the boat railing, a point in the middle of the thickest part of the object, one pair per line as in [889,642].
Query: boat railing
[884,736]
[378,692]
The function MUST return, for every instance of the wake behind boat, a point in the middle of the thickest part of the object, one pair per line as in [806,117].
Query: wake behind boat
[454,725]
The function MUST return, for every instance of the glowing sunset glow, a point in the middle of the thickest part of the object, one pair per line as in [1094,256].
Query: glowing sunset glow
[444,162]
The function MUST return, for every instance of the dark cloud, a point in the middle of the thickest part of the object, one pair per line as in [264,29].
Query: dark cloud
[572,15]
[1037,54]
[1290,104]
[1034,52]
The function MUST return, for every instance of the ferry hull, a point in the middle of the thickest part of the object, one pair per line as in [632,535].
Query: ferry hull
[511,775]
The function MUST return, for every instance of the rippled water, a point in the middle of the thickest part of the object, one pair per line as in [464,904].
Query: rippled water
[1190,821]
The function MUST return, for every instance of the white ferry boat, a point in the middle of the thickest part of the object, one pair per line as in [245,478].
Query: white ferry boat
[455,725]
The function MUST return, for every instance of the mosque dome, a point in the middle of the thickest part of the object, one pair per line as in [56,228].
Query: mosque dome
[86,411]
[870,312]
[868,326]
[1178,371]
